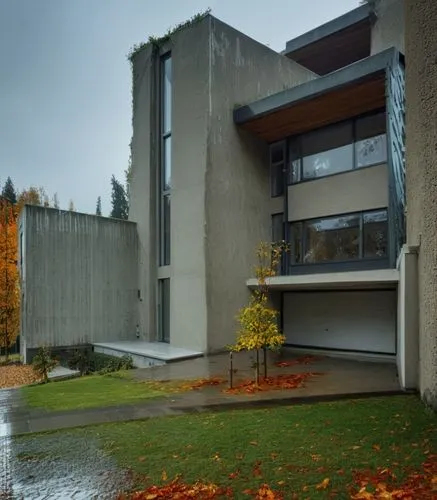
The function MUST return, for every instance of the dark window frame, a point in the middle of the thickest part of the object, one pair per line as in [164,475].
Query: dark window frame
[165,134]
[278,169]
[164,308]
[334,263]
[294,143]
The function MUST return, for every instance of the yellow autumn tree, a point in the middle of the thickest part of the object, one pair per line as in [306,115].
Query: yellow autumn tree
[9,279]
[259,329]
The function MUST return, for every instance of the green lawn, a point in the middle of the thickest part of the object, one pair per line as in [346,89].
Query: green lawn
[92,391]
[295,447]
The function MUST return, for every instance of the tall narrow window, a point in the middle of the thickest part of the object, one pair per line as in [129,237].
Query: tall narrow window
[277,164]
[164,310]
[165,179]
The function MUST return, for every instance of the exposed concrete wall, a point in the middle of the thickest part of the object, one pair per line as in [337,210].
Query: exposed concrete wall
[80,278]
[407,352]
[389,27]
[238,204]
[190,62]
[143,202]
[357,190]
[421,156]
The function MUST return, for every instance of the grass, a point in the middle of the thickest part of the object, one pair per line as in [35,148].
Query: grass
[295,447]
[11,358]
[92,392]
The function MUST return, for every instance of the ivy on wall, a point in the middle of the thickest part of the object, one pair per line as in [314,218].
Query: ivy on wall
[159,41]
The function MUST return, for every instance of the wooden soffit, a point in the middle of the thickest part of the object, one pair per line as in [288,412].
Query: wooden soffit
[355,90]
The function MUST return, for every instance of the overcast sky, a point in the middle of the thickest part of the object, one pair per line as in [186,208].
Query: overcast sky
[65,84]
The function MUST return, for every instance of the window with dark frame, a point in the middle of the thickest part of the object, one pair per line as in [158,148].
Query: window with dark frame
[334,149]
[164,310]
[165,160]
[277,169]
[349,237]
[278,228]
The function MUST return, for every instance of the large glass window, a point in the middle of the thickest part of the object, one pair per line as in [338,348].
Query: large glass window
[375,239]
[165,167]
[330,150]
[327,151]
[333,239]
[337,239]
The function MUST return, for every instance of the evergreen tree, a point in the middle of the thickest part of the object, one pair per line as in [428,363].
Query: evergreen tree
[71,207]
[8,191]
[99,206]
[120,207]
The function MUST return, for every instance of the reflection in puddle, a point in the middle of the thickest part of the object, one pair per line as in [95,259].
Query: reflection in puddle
[53,466]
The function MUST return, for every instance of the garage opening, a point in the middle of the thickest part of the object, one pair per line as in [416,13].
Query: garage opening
[357,321]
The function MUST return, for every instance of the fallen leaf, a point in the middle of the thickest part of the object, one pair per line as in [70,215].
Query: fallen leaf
[234,475]
[164,475]
[323,485]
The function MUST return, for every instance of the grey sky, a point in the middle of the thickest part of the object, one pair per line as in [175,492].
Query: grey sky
[65,84]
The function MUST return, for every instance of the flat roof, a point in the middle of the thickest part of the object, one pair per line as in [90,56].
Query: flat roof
[335,44]
[340,23]
[287,111]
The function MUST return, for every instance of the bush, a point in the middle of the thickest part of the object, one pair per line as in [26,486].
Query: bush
[43,363]
[81,361]
[92,362]
[116,364]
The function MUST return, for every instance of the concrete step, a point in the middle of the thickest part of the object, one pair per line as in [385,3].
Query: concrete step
[145,354]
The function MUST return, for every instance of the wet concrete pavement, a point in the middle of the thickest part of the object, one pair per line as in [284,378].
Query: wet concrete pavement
[51,466]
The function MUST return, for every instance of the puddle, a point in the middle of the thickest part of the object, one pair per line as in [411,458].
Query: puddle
[58,466]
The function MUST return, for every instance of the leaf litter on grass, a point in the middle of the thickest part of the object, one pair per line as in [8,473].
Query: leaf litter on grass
[178,490]
[17,375]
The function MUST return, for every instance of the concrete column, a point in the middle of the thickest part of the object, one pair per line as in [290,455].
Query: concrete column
[407,349]
[421,156]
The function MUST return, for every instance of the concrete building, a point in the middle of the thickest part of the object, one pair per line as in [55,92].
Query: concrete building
[234,144]
[305,146]
[421,111]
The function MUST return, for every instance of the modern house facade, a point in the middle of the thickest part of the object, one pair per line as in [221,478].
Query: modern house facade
[234,144]
[304,146]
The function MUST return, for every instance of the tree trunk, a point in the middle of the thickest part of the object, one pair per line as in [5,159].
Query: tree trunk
[231,371]
[257,367]
[265,361]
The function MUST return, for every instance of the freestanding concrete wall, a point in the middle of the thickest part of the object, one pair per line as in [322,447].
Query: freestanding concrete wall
[79,279]
[421,181]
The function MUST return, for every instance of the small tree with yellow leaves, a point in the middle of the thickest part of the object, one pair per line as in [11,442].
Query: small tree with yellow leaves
[259,329]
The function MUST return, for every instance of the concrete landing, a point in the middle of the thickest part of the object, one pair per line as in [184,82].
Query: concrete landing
[60,373]
[146,354]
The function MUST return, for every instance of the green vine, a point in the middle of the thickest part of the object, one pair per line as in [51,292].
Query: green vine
[159,41]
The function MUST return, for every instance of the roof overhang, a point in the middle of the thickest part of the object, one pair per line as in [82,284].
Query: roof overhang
[358,280]
[351,91]
[335,44]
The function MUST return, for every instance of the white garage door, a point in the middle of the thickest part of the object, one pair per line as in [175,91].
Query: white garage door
[348,320]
